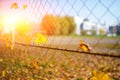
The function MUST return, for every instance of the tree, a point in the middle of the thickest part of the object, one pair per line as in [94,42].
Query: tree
[57,25]
[47,24]
[72,25]
[93,31]
[64,26]
[101,31]
[84,32]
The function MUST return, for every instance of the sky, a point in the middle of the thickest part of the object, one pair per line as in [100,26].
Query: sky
[98,11]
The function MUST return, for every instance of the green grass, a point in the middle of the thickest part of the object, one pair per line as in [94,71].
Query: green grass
[95,36]
[107,46]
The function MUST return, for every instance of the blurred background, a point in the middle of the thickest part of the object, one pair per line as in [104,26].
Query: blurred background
[76,19]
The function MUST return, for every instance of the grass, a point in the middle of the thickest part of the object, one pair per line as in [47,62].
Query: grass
[109,46]
[18,64]
[96,36]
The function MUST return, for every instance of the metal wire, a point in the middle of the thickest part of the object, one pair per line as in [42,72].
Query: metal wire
[89,53]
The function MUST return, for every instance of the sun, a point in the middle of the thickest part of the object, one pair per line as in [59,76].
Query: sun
[9,23]
[10,20]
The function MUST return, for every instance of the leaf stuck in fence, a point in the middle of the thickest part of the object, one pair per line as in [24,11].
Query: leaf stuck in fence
[40,38]
[14,6]
[24,6]
[28,39]
[85,47]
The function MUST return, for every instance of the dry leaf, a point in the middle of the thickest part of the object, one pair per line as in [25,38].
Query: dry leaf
[9,44]
[35,63]
[24,7]
[40,38]
[85,47]
[1,60]
[3,73]
[14,5]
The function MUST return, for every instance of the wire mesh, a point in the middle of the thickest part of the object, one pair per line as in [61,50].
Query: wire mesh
[88,20]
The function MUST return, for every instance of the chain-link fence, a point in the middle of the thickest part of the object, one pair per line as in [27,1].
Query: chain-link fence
[55,37]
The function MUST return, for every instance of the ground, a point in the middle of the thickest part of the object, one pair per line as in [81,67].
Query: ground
[18,64]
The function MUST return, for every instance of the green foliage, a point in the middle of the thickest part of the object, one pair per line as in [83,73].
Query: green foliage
[93,31]
[101,31]
[84,32]
[64,26]
[57,25]
[72,24]
[115,78]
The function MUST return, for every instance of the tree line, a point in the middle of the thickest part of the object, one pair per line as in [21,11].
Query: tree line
[57,25]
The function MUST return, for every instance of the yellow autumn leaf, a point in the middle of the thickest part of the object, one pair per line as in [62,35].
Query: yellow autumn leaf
[3,73]
[31,79]
[94,78]
[35,63]
[9,44]
[37,41]
[56,70]
[40,38]
[106,77]
[18,78]
[45,78]
[84,48]
[14,5]
[24,7]
[94,73]
[1,60]
[28,40]
[98,75]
